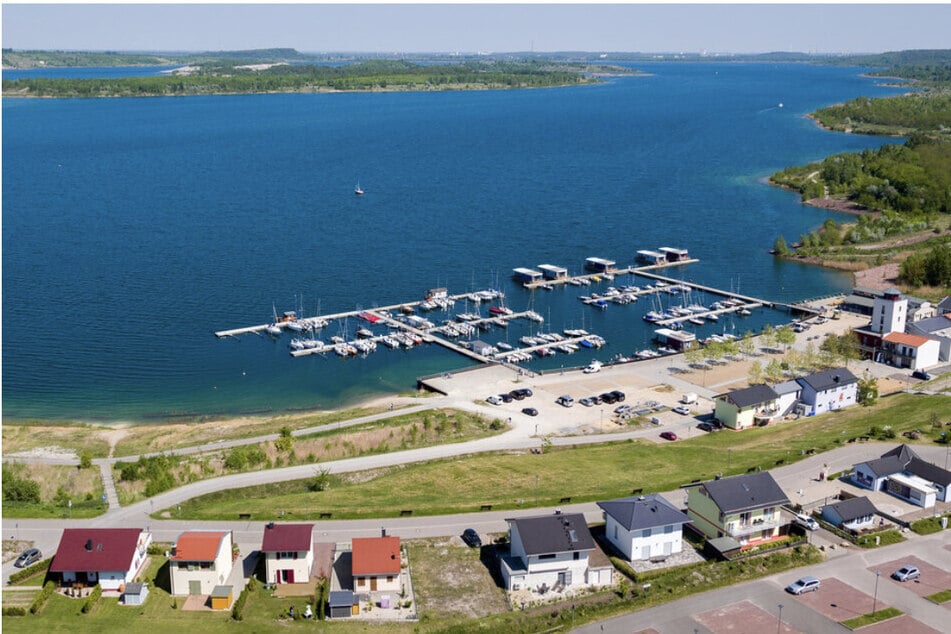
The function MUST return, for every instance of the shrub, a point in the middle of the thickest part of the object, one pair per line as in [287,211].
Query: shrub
[14,610]
[93,599]
[237,609]
[42,597]
[30,571]
[85,460]
[17,489]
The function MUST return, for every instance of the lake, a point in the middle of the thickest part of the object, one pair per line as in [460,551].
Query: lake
[135,228]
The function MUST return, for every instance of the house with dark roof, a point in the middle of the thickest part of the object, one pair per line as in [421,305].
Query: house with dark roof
[905,475]
[740,409]
[645,527]
[200,561]
[853,514]
[376,564]
[744,507]
[288,551]
[552,552]
[937,328]
[828,390]
[111,557]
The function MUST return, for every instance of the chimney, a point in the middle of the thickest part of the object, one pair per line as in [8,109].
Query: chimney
[270,524]
[89,545]
[383,532]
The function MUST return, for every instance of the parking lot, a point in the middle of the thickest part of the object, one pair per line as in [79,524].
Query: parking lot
[931,581]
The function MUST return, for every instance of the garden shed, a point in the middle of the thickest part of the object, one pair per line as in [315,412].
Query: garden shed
[135,594]
[221,597]
[340,603]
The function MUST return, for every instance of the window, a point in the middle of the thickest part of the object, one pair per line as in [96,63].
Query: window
[615,531]
[668,529]
[548,556]
[646,532]
[577,556]
[361,582]
[389,578]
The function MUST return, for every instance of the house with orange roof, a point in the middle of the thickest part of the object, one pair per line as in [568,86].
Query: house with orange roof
[376,564]
[200,561]
[914,352]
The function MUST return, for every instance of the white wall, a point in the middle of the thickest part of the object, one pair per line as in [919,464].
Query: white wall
[633,543]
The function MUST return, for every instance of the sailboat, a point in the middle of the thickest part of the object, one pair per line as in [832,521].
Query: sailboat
[358,190]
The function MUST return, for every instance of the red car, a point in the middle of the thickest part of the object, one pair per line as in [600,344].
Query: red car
[668,435]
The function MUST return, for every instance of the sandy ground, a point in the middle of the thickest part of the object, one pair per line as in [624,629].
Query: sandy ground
[878,277]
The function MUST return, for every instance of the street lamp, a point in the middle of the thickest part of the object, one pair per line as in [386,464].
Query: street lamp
[875,598]
[779,624]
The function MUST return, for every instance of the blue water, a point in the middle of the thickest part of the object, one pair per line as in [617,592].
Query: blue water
[134,228]
[91,72]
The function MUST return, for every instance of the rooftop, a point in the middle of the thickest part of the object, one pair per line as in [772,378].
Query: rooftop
[854,508]
[376,555]
[97,549]
[745,492]
[198,545]
[635,513]
[557,533]
[287,537]
[828,379]
[752,395]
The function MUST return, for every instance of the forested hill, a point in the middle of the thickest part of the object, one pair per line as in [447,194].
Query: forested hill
[18,59]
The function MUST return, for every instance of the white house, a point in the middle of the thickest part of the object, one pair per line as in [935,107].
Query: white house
[200,561]
[852,514]
[644,527]
[903,474]
[828,390]
[914,352]
[288,551]
[938,328]
[552,552]
[789,393]
[111,557]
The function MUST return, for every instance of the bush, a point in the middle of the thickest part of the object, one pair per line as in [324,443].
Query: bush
[14,610]
[17,489]
[42,597]
[93,599]
[29,571]
[237,609]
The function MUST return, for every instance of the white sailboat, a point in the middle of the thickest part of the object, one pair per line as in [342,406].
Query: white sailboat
[358,190]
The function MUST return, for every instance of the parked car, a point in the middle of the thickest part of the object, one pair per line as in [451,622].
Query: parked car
[530,411]
[623,409]
[493,400]
[471,538]
[618,396]
[668,435]
[807,522]
[595,400]
[593,367]
[682,409]
[655,420]
[801,586]
[587,402]
[521,393]
[608,398]
[565,400]
[921,374]
[506,398]
[709,427]
[28,557]
[906,573]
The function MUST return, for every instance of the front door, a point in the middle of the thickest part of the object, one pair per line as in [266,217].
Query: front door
[372,584]
[194,587]
[645,552]
[287,576]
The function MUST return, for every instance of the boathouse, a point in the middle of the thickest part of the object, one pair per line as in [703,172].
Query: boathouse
[600,265]
[651,257]
[526,276]
[676,340]
[552,272]
[675,255]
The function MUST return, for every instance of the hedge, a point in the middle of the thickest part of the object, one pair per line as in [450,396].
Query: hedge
[14,610]
[93,599]
[29,571]
[238,608]
[42,597]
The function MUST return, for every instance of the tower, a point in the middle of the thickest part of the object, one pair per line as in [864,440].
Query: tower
[889,312]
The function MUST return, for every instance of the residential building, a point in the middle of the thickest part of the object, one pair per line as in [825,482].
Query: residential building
[552,552]
[376,564]
[111,557]
[744,507]
[914,352]
[200,561]
[288,551]
[937,328]
[853,514]
[905,475]
[741,409]
[789,393]
[828,390]
[645,527]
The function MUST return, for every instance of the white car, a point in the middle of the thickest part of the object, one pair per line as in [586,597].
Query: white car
[807,522]
[593,367]
[493,400]
[565,400]
[682,409]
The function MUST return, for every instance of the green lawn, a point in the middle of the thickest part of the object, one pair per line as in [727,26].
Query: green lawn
[940,597]
[872,617]
[515,480]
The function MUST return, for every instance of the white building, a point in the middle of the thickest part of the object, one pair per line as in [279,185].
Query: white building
[111,557]
[828,390]
[552,552]
[915,352]
[645,527]
[288,551]
[853,514]
[903,474]
[200,561]
[889,312]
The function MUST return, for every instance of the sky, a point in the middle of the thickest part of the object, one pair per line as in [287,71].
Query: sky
[474,28]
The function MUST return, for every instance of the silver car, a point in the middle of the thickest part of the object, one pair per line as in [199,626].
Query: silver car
[906,573]
[801,586]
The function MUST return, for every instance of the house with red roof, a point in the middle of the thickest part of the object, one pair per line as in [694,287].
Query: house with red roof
[200,561]
[915,352]
[111,557]
[288,551]
[376,564]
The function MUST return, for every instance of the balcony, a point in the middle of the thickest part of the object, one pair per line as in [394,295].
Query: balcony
[744,529]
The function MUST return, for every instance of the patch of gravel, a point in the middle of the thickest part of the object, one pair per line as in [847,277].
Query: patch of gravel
[46,453]
[687,556]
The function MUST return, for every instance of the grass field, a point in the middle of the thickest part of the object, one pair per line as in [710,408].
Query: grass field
[59,485]
[513,480]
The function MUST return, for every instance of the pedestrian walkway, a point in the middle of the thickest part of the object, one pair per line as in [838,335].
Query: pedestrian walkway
[109,486]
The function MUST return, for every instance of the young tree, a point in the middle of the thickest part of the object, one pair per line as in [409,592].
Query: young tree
[768,336]
[780,247]
[867,390]
[756,373]
[785,336]
[774,371]
[747,345]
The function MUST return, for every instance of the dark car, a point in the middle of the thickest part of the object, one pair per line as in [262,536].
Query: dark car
[706,427]
[520,394]
[668,435]
[471,538]
[608,398]
[921,374]
[596,400]
[530,411]
[618,396]
[29,556]
[506,398]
